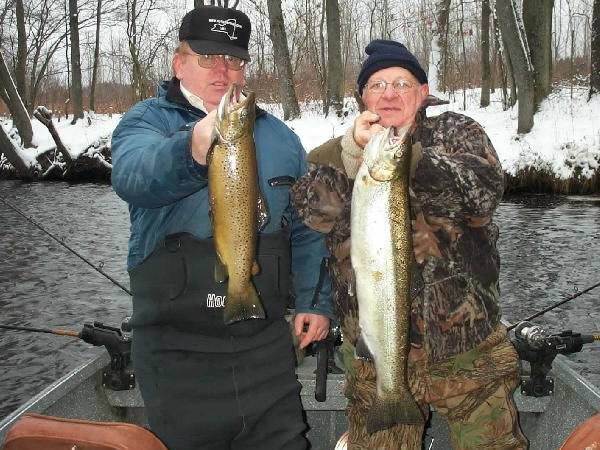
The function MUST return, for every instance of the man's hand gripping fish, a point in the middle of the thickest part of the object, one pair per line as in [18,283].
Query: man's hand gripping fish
[237,208]
[381,250]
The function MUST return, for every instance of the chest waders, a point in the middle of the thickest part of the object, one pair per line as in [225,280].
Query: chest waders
[207,385]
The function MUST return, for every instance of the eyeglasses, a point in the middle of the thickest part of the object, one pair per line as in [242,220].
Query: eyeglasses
[400,86]
[210,61]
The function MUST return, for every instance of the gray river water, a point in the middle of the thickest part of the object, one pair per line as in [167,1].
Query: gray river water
[549,248]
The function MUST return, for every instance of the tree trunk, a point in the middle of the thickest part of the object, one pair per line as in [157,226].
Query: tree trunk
[9,148]
[439,47]
[20,69]
[516,46]
[464,54]
[323,60]
[485,54]
[96,57]
[537,17]
[44,115]
[15,105]
[285,77]
[76,89]
[595,51]
[335,73]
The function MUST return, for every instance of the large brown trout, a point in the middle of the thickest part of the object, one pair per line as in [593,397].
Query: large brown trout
[381,252]
[235,201]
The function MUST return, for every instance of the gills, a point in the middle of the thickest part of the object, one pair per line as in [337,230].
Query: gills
[381,253]
[236,207]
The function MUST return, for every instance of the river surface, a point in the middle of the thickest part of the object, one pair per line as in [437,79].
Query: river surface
[549,248]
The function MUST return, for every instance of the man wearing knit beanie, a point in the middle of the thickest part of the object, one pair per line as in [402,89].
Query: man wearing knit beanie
[461,361]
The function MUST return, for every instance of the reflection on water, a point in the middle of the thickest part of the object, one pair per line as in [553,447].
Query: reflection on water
[547,245]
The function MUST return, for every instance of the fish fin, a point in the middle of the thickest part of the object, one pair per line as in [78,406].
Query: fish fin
[362,350]
[255,268]
[221,273]
[262,212]
[214,140]
[243,306]
[384,415]
[342,443]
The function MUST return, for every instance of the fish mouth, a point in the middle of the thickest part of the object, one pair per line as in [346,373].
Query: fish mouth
[234,99]
[397,136]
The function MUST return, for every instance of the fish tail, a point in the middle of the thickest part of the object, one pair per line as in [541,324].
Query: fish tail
[243,305]
[386,414]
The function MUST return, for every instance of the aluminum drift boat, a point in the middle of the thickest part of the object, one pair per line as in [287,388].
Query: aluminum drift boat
[546,421]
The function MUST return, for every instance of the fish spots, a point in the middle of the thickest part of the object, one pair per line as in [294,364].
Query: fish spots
[377,275]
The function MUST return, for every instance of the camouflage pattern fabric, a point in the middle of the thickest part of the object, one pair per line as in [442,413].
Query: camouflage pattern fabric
[322,198]
[476,401]
[460,361]
[456,184]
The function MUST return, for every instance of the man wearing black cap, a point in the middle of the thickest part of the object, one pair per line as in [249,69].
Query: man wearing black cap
[461,361]
[207,385]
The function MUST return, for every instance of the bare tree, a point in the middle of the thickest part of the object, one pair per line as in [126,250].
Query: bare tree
[537,17]
[515,40]
[76,88]
[46,23]
[485,54]
[439,46]
[335,74]
[285,79]
[96,57]
[144,44]
[15,104]
[20,66]
[595,51]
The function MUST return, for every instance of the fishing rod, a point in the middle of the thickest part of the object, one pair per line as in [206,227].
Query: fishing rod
[119,375]
[57,331]
[555,305]
[97,269]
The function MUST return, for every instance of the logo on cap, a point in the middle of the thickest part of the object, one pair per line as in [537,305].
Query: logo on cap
[225,26]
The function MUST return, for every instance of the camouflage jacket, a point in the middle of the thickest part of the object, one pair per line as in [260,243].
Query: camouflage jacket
[456,184]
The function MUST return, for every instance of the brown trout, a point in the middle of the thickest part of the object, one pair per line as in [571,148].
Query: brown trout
[381,253]
[236,206]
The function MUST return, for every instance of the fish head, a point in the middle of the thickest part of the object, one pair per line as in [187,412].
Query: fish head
[235,114]
[384,152]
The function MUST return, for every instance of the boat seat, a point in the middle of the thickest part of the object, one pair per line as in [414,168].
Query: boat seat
[36,431]
[585,436]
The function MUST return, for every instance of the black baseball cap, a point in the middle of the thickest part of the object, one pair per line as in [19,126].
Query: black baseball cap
[213,30]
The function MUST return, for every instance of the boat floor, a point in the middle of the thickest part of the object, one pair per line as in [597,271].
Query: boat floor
[545,421]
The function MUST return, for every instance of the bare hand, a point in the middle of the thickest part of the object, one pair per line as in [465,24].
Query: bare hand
[425,242]
[318,328]
[203,136]
[365,126]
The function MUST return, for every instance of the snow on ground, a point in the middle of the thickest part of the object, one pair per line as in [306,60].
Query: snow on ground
[564,139]
[566,133]
[77,138]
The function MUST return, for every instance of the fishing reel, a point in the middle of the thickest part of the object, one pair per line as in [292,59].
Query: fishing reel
[324,350]
[536,346]
[118,376]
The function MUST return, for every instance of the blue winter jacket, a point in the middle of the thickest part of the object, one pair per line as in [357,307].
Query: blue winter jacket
[167,190]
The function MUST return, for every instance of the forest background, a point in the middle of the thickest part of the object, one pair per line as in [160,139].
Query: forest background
[86,57]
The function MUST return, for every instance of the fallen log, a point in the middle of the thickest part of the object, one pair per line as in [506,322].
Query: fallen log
[44,115]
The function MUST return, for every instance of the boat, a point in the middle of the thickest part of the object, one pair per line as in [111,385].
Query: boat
[546,421]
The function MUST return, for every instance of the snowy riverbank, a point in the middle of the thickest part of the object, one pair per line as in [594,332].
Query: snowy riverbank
[561,153]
